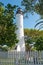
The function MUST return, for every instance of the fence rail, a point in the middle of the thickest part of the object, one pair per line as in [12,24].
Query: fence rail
[21,58]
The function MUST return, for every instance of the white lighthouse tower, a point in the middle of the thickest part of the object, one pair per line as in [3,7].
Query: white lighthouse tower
[20,31]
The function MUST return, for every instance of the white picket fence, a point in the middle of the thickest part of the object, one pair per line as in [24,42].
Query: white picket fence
[21,58]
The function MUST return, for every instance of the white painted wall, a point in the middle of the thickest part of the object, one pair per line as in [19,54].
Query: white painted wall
[20,32]
[19,22]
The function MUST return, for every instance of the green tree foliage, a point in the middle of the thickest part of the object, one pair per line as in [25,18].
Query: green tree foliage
[34,34]
[39,44]
[28,47]
[39,10]
[33,6]
[28,4]
[7,26]
[36,6]
[39,7]
[28,41]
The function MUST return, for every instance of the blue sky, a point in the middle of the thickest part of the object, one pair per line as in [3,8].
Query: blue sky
[28,22]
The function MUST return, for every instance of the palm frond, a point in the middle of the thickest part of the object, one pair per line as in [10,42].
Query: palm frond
[41,24]
[38,23]
[40,27]
[38,20]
